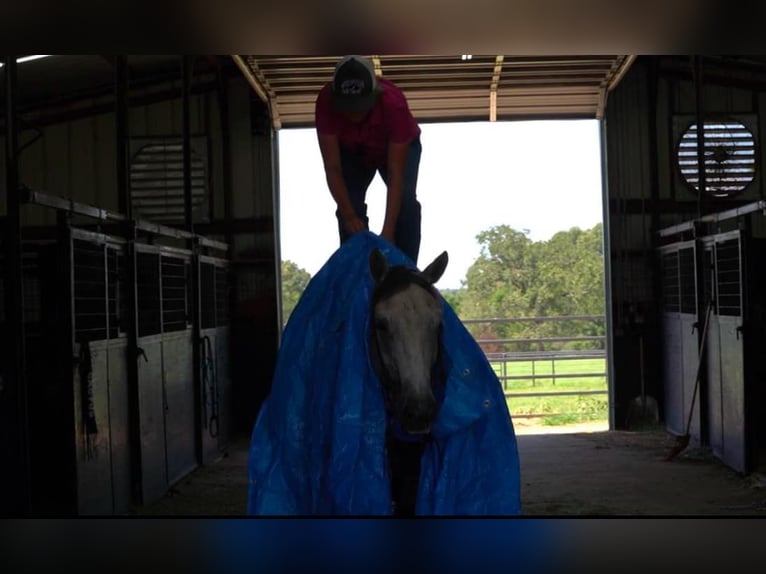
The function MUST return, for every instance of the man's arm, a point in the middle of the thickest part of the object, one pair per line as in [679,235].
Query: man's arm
[397,161]
[328,144]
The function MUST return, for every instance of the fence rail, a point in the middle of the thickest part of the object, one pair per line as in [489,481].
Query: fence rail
[501,361]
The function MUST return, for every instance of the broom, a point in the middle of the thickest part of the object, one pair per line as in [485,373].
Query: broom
[682,441]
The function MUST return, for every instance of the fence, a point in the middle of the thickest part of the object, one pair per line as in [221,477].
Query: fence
[540,364]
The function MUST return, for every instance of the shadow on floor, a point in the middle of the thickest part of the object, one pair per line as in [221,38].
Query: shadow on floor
[586,473]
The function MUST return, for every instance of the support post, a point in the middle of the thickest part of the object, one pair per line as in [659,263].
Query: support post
[13,396]
[129,232]
[194,245]
[186,72]
[223,108]
[700,111]
[121,120]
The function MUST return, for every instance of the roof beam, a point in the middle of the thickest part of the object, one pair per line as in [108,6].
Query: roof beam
[623,68]
[618,70]
[440,86]
[261,87]
[248,73]
[376,65]
[493,88]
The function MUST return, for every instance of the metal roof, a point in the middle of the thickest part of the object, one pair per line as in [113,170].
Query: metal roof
[449,88]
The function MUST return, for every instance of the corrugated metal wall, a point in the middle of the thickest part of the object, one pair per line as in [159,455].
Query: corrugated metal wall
[76,159]
[628,153]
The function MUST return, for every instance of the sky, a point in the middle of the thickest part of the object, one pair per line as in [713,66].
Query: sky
[542,176]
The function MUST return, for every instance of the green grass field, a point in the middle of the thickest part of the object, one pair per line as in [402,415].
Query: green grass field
[556,410]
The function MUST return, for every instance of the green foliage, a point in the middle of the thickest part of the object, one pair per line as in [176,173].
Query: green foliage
[294,282]
[513,277]
[454,299]
[517,277]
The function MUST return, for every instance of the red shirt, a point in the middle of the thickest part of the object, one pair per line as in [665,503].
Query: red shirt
[389,121]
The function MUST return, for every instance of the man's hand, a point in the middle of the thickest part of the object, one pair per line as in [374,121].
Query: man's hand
[351,222]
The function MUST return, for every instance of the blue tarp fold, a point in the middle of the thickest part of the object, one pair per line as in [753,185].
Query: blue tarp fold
[318,443]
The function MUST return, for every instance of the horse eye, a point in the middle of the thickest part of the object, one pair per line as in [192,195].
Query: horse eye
[381,323]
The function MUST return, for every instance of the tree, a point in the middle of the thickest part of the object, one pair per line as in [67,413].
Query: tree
[501,282]
[294,282]
[517,277]
[453,297]
[570,282]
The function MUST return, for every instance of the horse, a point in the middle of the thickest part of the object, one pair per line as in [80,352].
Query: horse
[406,355]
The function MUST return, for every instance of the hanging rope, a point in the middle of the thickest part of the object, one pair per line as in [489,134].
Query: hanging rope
[209,388]
[90,428]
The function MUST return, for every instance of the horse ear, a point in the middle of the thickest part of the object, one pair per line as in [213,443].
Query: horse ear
[378,265]
[435,270]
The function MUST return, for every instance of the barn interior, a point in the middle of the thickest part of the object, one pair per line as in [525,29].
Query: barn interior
[139,204]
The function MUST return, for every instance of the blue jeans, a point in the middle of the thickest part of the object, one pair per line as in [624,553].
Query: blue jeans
[358,177]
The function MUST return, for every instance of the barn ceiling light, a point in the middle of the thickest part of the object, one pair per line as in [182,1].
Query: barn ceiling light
[465,57]
[29,58]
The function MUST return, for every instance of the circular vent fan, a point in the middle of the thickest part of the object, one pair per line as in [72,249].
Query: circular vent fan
[729,157]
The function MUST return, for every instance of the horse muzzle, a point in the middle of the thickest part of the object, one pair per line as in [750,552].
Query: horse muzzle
[418,418]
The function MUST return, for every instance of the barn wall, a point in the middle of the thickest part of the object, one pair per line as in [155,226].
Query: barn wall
[75,159]
[629,183]
[645,114]
[255,329]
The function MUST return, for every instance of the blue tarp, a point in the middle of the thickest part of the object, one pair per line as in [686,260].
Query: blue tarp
[318,443]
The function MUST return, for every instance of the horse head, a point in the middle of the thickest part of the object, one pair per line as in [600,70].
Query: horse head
[406,338]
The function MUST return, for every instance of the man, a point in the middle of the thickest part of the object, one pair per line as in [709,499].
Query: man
[364,126]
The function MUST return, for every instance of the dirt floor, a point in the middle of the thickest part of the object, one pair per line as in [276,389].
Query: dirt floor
[569,470]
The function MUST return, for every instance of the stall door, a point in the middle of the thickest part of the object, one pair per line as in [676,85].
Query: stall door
[165,369]
[151,391]
[679,289]
[100,374]
[726,382]
[177,367]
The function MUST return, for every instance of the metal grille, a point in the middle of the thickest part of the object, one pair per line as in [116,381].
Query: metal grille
[148,288]
[116,284]
[189,292]
[90,306]
[729,157]
[670,282]
[687,280]
[157,181]
[709,284]
[207,295]
[221,296]
[174,281]
[728,278]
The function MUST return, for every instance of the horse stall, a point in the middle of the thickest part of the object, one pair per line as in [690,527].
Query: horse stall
[75,339]
[111,453]
[98,341]
[166,400]
[174,418]
[733,270]
[719,279]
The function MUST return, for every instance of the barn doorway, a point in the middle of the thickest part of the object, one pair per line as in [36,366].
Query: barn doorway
[514,204]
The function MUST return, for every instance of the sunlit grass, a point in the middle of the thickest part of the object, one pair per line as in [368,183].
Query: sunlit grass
[556,410]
